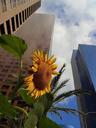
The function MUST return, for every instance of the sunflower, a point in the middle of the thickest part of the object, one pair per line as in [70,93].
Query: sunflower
[43,67]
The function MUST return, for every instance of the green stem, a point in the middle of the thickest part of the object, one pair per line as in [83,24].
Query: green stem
[21,66]
[37,125]
[19,84]
[21,109]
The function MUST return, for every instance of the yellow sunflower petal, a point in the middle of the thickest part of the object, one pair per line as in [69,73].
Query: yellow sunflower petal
[35,53]
[52,57]
[34,69]
[55,73]
[28,78]
[34,56]
[36,94]
[42,93]
[33,92]
[42,55]
[49,88]
[30,88]
[46,89]
[43,68]
[35,59]
[35,65]
[38,51]
[46,57]
[39,93]
[52,61]
[54,66]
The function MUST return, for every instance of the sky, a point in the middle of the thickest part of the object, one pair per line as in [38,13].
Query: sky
[75,23]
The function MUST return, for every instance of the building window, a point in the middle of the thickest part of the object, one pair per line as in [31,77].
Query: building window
[20,18]
[27,13]
[17,21]
[2,30]
[13,3]
[23,15]
[8,27]
[13,24]
[3,5]
[31,9]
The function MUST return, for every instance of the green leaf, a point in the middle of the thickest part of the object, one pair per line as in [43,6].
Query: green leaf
[60,86]
[47,101]
[27,98]
[68,94]
[13,45]
[45,122]
[31,121]
[38,109]
[57,78]
[67,110]
[6,108]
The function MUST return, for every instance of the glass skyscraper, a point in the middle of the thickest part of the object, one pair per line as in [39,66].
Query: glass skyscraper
[84,72]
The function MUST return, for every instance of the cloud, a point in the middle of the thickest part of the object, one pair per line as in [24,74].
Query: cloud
[70,126]
[75,23]
[70,11]
[92,35]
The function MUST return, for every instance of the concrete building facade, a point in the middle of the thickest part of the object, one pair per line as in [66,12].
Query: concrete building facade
[13,13]
[16,17]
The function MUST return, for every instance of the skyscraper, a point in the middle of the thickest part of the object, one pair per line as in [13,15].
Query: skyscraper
[84,73]
[13,13]
[16,17]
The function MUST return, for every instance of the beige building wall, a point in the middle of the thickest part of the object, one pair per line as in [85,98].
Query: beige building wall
[38,33]
[20,10]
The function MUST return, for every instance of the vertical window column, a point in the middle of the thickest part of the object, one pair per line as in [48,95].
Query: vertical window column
[23,17]
[13,24]
[2,29]
[17,21]
[20,18]
[25,14]
[8,4]
[8,27]
[31,10]
[3,4]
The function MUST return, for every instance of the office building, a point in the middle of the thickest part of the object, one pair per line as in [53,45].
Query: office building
[14,13]
[84,73]
[16,17]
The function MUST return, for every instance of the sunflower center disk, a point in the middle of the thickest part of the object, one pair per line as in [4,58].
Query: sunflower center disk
[43,76]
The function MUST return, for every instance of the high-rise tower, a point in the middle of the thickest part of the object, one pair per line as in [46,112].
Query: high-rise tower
[84,73]
[13,13]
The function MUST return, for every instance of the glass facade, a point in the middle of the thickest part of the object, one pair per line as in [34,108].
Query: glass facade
[84,73]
